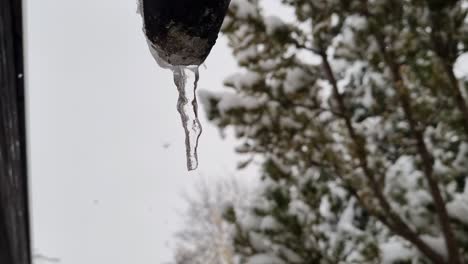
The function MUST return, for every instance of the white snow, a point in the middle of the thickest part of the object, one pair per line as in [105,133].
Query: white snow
[250,221]
[461,66]
[269,223]
[229,101]
[436,243]
[243,80]
[461,159]
[402,173]
[246,54]
[264,259]
[394,251]
[296,78]
[299,209]
[243,8]
[346,219]
[458,207]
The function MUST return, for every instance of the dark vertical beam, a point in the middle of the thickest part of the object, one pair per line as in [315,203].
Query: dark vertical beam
[14,213]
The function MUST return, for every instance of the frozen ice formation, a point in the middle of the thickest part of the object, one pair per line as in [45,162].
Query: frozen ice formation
[180,35]
[186,79]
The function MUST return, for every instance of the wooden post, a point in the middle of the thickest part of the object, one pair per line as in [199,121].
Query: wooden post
[15,247]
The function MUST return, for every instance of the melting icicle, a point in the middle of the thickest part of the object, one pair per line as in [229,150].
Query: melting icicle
[186,79]
[177,38]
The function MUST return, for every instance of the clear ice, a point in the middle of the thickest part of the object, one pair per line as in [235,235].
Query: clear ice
[186,79]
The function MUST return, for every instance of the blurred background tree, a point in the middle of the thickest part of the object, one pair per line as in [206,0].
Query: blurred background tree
[356,113]
[206,237]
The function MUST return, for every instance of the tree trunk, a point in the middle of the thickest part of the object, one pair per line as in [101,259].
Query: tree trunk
[14,213]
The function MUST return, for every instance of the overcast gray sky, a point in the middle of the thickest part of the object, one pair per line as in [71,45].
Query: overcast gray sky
[104,189]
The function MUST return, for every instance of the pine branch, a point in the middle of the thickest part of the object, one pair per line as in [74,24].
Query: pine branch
[397,225]
[440,49]
[426,157]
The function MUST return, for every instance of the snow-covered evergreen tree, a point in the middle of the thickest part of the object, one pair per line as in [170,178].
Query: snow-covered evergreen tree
[358,114]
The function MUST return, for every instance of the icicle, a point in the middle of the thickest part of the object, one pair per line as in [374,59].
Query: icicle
[186,79]
[183,35]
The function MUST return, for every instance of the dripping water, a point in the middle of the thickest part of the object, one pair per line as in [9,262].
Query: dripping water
[186,79]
